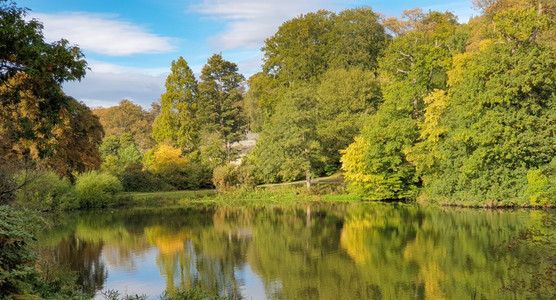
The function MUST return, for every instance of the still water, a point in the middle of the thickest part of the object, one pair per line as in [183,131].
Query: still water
[310,251]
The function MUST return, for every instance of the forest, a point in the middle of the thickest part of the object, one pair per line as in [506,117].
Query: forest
[414,108]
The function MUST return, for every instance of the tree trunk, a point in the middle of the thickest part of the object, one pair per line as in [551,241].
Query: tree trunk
[308,178]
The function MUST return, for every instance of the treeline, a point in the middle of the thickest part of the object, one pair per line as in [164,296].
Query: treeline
[413,107]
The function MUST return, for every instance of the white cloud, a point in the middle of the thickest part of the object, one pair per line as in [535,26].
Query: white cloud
[106,85]
[250,22]
[103,34]
[103,67]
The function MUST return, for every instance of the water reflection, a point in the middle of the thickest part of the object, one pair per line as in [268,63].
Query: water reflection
[326,251]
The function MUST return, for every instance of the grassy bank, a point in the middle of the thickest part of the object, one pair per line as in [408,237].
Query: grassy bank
[262,195]
[275,194]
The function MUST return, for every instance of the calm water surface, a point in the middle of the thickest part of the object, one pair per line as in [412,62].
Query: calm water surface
[310,251]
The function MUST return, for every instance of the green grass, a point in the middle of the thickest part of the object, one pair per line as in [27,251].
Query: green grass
[172,195]
[265,195]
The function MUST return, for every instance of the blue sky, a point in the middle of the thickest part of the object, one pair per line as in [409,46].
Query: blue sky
[130,45]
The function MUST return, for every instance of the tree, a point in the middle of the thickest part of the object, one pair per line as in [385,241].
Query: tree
[307,46]
[260,100]
[413,65]
[32,103]
[77,140]
[496,122]
[31,72]
[19,276]
[289,148]
[120,153]
[327,62]
[177,122]
[129,118]
[297,52]
[220,100]
[345,99]
[356,39]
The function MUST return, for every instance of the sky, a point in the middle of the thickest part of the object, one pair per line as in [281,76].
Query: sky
[129,45]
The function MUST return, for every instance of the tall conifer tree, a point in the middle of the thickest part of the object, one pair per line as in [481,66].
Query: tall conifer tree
[221,95]
[177,120]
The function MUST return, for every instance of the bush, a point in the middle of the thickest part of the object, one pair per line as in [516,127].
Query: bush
[20,270]
[44,190]
[17,272]
[96,189]
[246,175]
[181,172]
[136,180]
[225,177]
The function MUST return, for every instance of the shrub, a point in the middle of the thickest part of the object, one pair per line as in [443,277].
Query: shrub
[225,177]
[17,272]
[136,180]
[181,172]
[246,175]
[44,190]
[96,189]
[21,272]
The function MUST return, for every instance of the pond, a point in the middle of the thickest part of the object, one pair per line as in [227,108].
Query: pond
[310,251]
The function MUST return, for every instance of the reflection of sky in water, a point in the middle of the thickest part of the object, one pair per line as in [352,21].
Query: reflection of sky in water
[253,286]
[146,278]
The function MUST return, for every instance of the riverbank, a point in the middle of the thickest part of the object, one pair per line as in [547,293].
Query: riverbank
[260,196]
[282,194]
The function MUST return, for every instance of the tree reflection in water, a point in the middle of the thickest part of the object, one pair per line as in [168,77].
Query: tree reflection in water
[83,257]
[325,251]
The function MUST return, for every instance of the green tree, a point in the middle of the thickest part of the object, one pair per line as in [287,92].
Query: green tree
[220,100]
[305,47]
[130,156]
[297,52]
[260,100]
[119,153]
[327,62]
[177,122]
[413,65]
[289,147]
[356,39]
[17,264]
[499,116]
[110,146]
[345,99]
